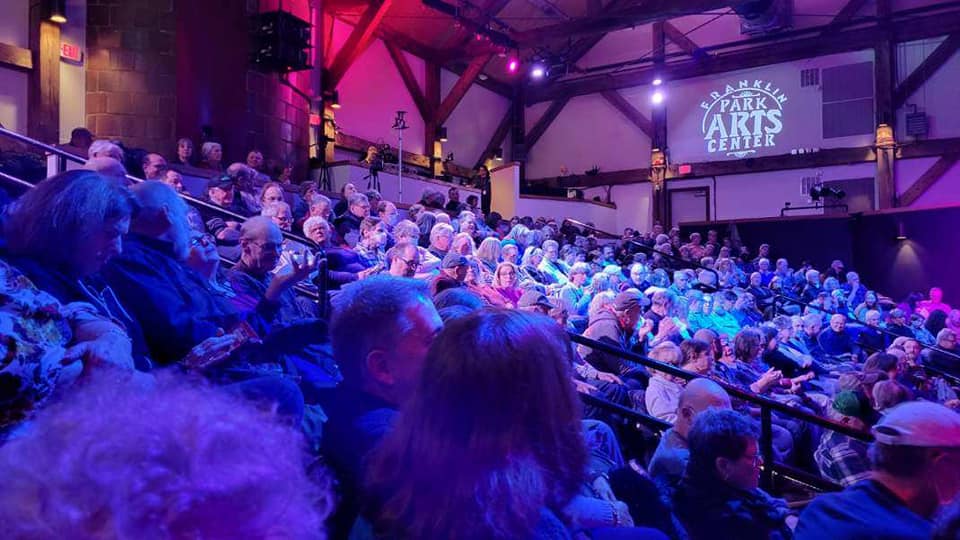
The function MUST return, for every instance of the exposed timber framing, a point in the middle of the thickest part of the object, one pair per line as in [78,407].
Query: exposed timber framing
[362,36]
[409,79]
[15,57]
[771,52]
[644,12]
[926,69]
[928,179]
[630,112]
[359,145]
[544,122]
[846,14]
[681,40]
[498,137]
[460,88]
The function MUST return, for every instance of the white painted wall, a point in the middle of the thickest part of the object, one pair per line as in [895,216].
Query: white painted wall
[602,217]
[588,132]
[634,205]
[937,97]
[73,82]
[413,187]
[14,18]
[945,192]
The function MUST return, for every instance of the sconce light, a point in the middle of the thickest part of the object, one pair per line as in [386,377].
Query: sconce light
[442,134]
[901,231]
[885,138]
[57,11]
[498,154]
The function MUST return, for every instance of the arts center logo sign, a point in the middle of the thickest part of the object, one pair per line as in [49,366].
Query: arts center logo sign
[742,119]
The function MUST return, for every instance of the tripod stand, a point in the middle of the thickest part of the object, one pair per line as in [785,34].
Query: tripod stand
[400,124]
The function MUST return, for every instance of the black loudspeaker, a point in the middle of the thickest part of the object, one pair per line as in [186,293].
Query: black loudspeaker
[279,42]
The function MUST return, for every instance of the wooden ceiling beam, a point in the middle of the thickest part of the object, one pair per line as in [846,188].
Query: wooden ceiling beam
[628,110]
[499,135]
[926,69]
[644,12]
[15,57]
[845,15]
[766,53]
[360,38]
[489,10]
[930,177]
[681,40]
[409,79]
[459,89]
[544,122]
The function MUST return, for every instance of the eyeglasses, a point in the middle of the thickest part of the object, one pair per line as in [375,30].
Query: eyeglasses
[756,459]
[269,246]
[203,240]
[411,263]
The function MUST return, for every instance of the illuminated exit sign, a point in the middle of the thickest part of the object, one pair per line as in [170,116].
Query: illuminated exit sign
[71,52]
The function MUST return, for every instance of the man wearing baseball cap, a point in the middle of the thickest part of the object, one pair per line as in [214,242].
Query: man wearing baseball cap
[915,470]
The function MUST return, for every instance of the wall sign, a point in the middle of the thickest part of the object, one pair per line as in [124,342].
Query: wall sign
[742,119]
[70,52]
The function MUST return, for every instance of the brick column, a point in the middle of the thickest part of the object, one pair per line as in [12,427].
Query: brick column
[131,72]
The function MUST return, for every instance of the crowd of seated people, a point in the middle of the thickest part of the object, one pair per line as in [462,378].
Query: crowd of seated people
[441,389]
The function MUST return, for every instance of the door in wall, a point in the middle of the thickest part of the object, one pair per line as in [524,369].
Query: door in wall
[689,205]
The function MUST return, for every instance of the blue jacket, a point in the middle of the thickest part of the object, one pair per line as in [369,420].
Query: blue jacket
[173,303]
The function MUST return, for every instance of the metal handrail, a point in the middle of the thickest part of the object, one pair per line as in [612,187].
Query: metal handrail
[936,371]
[762,402]
[770,467]
[206,205]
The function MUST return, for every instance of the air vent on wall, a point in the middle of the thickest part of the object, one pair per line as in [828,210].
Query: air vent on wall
[809,77]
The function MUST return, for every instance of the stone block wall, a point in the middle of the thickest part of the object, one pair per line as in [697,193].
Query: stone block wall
[131,72]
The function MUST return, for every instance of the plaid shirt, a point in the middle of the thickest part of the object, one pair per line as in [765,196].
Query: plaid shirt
[841,459]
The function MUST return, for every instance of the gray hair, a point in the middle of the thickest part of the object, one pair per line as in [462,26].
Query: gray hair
[313,221]
[369,314]
[318,200]
[49,222]
[105,148]
[440,229]
[155,195]
[357,198]
[271,210]
[580,268]
[208,147]
[406,227]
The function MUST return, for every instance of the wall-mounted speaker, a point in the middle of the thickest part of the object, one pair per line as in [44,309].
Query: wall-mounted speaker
[279,42]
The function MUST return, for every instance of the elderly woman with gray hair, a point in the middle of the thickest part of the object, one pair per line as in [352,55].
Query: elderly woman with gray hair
[212,156]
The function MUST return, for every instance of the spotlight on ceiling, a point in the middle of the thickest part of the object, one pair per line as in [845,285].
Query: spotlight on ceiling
[657,98]
[513,65]
[538,71]
[657,81]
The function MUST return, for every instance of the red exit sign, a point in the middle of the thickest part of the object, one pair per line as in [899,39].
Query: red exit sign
[71,52]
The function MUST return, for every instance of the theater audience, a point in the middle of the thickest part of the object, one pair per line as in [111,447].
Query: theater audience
[669,461]
[914,462]
[103,148]
[115,459]
[718,497]
[347,225]
[211,154]
[184,152]
[841,458]
[154,166]
[381,329]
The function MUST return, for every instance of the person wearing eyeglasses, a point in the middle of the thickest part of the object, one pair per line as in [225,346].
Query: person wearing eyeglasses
[403,260]
[719,497]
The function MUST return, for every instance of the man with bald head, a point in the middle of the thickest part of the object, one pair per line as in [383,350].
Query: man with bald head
[108,167]
[670,459]
[257,288]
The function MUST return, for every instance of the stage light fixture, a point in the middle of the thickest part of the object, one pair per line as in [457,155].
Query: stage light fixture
[657,81]
[657,98]
[538,71]
[513,65]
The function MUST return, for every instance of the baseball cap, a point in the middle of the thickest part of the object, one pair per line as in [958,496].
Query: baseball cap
[919,423]
[629,299]
[453,260]
[223,182]
[533,297]
[848,403]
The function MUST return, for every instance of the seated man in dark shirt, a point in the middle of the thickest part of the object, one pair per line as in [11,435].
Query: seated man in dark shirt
[348,225]
[381,329]
[837,340]
[915,460]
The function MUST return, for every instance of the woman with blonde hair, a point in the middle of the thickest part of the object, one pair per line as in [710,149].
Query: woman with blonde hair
[506,282]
